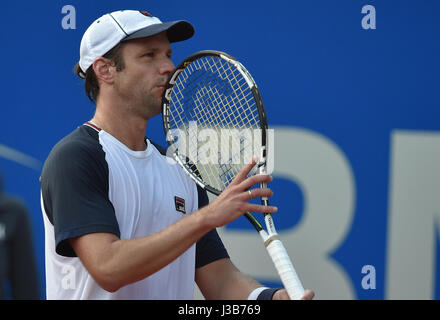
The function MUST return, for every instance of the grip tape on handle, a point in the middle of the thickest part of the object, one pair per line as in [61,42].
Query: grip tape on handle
[285,269]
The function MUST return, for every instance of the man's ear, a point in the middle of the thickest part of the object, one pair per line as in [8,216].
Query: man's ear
[104,70]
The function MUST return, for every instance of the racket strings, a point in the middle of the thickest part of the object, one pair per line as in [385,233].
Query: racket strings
[213,94]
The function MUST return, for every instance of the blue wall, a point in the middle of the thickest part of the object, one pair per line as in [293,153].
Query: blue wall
[319,72]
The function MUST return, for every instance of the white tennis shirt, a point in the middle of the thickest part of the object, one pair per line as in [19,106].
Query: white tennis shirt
[91,182]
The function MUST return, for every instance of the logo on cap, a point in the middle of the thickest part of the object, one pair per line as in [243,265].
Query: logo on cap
[146,13]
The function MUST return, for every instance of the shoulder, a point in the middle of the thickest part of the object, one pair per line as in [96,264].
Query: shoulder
[83,140]
[75,166]
[79,149]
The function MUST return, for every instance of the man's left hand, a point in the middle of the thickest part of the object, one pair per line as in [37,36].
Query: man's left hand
[282,295]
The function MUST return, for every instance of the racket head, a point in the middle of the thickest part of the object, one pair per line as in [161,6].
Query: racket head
[212,92]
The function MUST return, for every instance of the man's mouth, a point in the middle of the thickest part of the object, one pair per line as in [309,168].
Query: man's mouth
[162,83]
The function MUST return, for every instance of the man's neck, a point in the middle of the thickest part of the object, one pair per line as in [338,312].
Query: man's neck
[130,130]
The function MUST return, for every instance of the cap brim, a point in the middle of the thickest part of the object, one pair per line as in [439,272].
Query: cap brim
[176,31]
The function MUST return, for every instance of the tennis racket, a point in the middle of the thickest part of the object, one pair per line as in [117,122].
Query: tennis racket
[211,94]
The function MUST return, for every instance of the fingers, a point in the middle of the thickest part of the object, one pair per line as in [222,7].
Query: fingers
[256,193]
[261,209]
[251,181]
[244,183]
[281,295]
[259,192]
[308,295]
[242,174]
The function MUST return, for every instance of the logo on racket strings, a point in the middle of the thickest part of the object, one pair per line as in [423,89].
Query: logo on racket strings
[207,145]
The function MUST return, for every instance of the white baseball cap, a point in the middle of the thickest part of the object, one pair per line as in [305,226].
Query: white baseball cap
[110,29]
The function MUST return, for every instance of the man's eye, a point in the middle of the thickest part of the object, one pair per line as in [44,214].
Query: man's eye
[149,54]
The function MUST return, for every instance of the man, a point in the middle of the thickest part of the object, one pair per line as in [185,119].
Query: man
[114,229]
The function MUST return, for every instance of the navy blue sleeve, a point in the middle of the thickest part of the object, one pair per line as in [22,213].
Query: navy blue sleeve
[74,185]
[210,247]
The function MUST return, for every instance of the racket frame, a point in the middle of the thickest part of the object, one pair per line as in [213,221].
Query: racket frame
[263,127]
[270,238]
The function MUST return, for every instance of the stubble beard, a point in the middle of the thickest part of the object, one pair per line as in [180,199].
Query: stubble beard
[142,103]
[150,105]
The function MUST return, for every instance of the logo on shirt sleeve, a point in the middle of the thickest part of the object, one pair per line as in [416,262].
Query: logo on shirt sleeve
[180,204]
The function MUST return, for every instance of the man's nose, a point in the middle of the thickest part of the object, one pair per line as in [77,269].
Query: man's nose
[167,66]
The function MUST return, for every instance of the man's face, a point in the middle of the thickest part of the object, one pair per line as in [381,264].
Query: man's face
[147,67]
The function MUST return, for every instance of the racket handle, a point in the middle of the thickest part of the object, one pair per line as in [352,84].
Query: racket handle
[285,269]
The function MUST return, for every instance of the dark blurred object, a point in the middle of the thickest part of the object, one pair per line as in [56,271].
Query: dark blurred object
[18,272]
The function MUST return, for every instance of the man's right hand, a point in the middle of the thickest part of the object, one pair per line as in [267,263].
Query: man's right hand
[234,200]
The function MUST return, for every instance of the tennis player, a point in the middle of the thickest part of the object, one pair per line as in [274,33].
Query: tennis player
[121,221]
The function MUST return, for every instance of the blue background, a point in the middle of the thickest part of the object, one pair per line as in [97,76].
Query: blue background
[315,66]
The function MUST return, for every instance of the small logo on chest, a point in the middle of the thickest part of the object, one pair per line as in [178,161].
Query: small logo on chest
[180,204]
